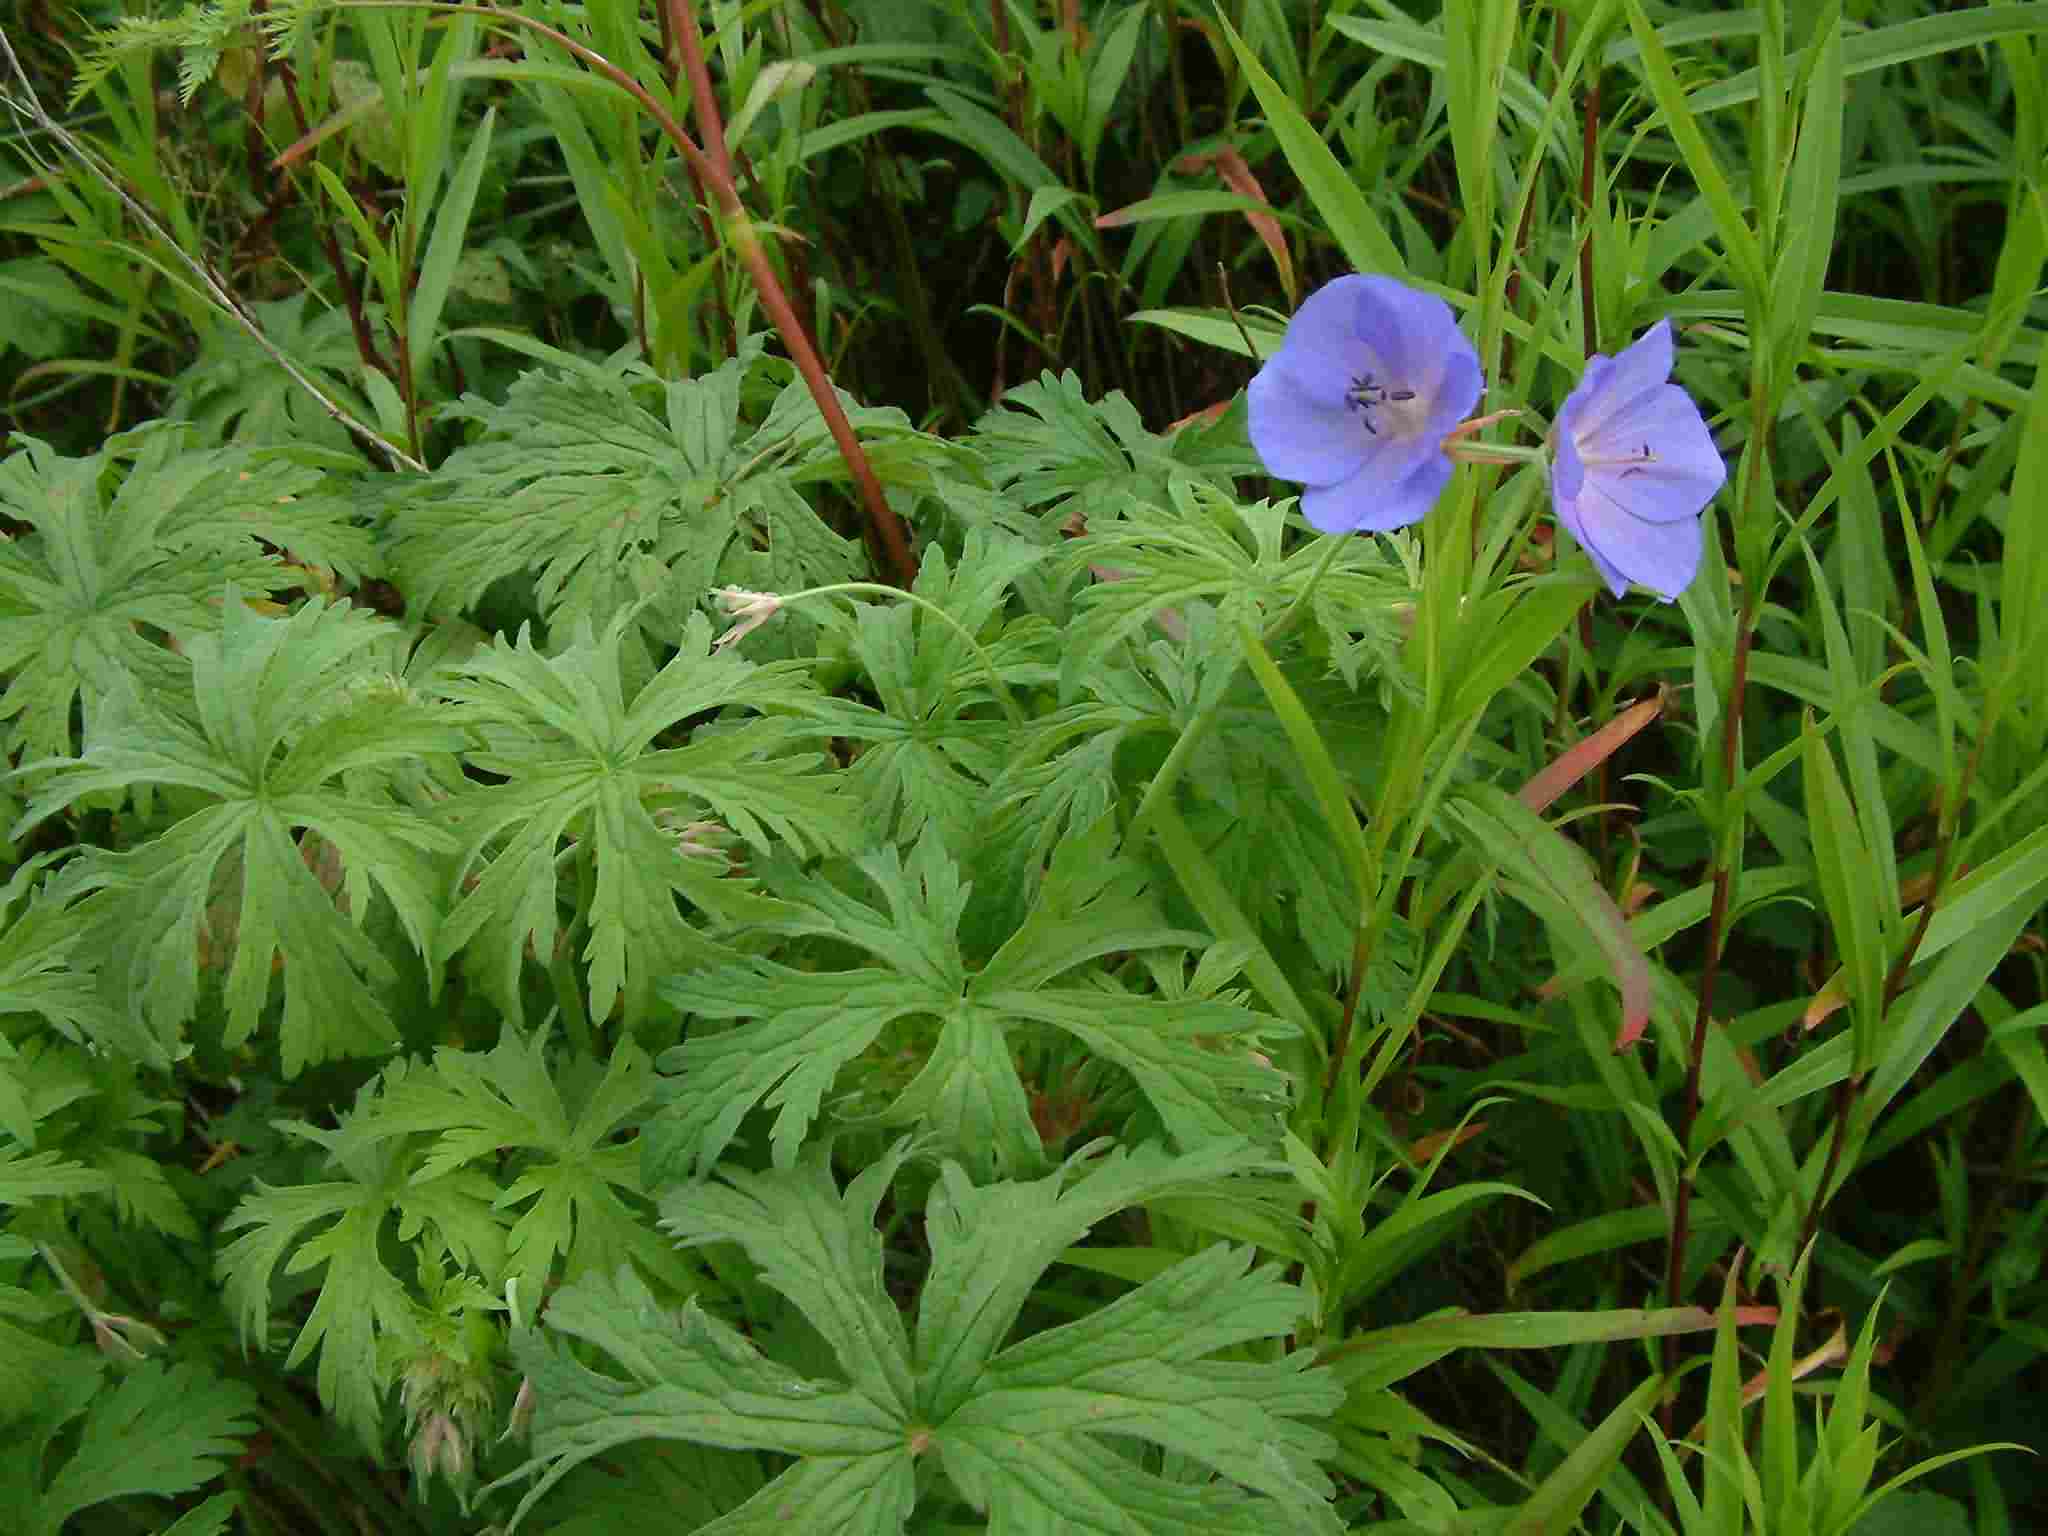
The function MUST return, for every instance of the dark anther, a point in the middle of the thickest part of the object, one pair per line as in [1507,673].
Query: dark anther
[1364,394]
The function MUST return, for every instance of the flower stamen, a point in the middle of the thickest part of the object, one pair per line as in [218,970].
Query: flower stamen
[1634,462]
[1365,395]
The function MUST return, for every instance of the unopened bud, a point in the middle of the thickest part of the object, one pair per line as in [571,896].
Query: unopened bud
[750,609]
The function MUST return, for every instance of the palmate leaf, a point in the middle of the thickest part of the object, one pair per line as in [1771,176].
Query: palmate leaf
[936,737]
[37,946]
[652,1486]
[234,391]
[133,542]
[1051,446]
[1196,544]
[577,1193]
[1246,797]
[611,486]
[160,1430]
[1193,1060]
[293,730]
[91,1109]
[1018,1432]
[583,762]
[1064,771]
[45,1176]
[364,1317]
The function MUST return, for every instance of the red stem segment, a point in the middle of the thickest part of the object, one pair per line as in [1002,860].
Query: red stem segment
[682,27]
[890,540]
[1717,934]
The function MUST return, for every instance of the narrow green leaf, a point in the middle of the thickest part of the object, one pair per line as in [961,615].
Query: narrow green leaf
[1842,862]
[1391,1245]
[1882,47]
[1520,97]
[1212,898]
[1045,202]
[1191,204]
[1598,1234]
[1923,1016]
[1535,1330]
[1813,193]
[1737,239]
[1332,798]
[431,120]
[1331,189]
[1725,1457]
[1213,327]
[1555,879]
[1854,729]
[1781,1427]
[1116,47]
[1554,1508]
[1478,37]
[2023,575]
[444,250]
[1506,634]
[991,138]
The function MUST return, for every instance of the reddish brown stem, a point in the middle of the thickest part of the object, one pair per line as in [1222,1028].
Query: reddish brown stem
[351,295]
[890,539]
[1717,933]
[1361,957]
[679,37]
[682,27]
[999,25]
[1896,980]
[1844,1101]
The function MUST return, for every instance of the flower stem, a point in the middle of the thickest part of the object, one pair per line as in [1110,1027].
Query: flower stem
[1461,451]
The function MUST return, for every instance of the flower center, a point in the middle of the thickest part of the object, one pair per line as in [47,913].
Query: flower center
[1629,463]
[1367,395]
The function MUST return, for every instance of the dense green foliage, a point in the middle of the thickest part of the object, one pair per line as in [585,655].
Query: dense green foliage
[691,847]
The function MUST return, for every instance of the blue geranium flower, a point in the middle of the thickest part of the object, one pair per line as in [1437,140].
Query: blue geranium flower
[1635,466]
[1357,402]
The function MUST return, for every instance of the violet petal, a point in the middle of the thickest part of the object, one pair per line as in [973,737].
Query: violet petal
[1369,503]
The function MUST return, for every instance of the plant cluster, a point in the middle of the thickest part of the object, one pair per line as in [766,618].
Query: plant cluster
[876,769]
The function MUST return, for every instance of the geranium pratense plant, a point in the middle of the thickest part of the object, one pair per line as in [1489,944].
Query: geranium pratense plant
[1635,466]
[1356,404]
